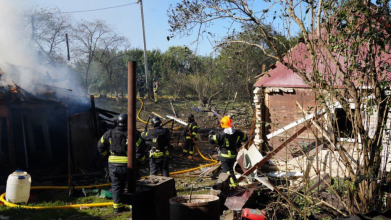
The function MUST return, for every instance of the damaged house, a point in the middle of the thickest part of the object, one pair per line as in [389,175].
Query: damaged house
[33,128]
[284,106]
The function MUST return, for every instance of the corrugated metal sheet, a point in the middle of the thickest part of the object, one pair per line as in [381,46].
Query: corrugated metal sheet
[239,198]
[281,76]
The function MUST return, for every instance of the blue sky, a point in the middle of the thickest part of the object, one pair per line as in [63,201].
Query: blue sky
[127,20]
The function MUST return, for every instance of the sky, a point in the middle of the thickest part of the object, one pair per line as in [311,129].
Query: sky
[126,20]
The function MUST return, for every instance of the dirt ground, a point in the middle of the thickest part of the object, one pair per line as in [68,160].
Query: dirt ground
[241,112]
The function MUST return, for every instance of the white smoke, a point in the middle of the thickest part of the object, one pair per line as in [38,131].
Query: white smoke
[19,58]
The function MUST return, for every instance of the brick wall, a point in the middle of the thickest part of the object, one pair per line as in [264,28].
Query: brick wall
[280,109]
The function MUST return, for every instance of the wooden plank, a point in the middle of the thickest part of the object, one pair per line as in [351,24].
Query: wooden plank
[95,116]
[11,144]
[1,131]
[154,113]
[3,111]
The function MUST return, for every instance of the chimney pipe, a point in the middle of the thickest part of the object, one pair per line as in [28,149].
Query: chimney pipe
[132,126]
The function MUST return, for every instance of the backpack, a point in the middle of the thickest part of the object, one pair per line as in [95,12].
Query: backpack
[119,142]
[159,142]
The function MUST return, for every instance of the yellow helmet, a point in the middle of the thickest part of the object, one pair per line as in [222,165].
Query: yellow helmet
[226,122]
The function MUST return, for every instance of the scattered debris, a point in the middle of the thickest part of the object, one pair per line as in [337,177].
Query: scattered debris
[239,197]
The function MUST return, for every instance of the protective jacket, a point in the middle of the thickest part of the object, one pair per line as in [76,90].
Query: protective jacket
[114,143]
[159,141]
[191,131]
[140,84]
[228,144]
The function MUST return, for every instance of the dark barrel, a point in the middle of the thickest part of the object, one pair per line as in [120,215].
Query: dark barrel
[202,207]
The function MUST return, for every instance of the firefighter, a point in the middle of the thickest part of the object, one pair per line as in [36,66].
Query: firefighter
[228,141]
[155,86]
[140,86]
[190,133]
[158,139]
[114,143]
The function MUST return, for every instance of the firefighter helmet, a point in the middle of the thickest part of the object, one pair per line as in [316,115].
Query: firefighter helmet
[190,118]
[156,121]
[226,122]
[122,120]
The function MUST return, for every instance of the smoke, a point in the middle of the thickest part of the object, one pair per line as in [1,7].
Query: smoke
[21,61]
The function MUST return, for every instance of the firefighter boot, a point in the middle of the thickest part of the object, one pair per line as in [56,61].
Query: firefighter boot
[119,210]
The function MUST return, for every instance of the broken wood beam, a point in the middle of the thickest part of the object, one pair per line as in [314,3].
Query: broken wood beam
[295,123]
[317,125]
[106,111]
[274,152]
[173,110]
[154,113]
[214,168]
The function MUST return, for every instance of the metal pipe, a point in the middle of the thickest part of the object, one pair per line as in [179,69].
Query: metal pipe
[132,126]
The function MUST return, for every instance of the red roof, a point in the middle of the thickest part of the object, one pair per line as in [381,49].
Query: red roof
[281,76]
[299,57]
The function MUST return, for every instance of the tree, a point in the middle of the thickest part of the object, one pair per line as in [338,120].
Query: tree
[204,81]
[48,29]
[110,57]
[176,66]
[88,36]
[349,37]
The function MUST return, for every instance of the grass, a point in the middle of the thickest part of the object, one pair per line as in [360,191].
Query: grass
[183,185]
[57,198]
[60,197]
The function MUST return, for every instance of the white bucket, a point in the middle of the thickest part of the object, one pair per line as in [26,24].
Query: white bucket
[18,187]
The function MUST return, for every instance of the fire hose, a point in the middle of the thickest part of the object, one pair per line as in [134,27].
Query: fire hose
[9,204]
[138,115]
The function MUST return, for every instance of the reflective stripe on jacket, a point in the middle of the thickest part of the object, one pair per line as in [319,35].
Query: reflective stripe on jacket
[228,144]
[118,159]
[151,139]
[104,148]
[192,131]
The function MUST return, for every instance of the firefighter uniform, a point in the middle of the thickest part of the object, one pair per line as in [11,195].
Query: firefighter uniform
[140,87]
[190,133]
[228,146]
[155,85]
[158,139]
[114,143]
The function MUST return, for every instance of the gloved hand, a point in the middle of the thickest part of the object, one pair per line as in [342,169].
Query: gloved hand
[107,174]
[185,132]
[212,132]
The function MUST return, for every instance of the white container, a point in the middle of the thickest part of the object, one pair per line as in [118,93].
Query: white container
[18,187]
